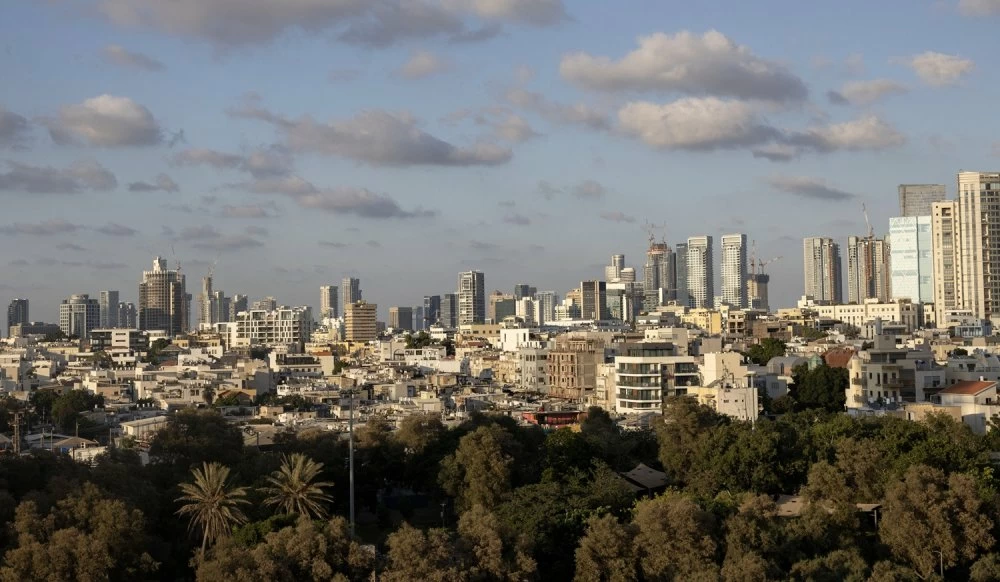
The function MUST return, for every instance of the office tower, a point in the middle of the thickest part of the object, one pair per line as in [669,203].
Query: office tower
[613,272]
[128,317]
[625,300]
[734,270]
[205,302]
[911,264]
[220,307]
[163,300]
[978,213]
[17,313]
[449,311]
[419,323]
[329,306]
[524,309]
[757,291]
[505,301]
[594,300]
[945,247]
[350,291]
[471,297]
[236,305]
[682,295]
[361,322]
[546,311]
[108,300]
[522,291]
[821,257]
[268,303]
[867,269]
[659,276]
[401,318]
[79,315]
[916,199]
[627,275]
[432,310]
[700,272]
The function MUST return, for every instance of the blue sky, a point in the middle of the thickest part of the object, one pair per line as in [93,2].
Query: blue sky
[295,142]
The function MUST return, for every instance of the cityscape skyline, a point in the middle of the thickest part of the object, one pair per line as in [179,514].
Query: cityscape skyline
[210,144]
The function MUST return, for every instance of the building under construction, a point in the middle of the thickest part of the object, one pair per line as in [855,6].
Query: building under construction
[163,300]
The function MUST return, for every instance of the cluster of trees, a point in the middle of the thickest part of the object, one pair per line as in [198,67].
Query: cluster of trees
[490,500]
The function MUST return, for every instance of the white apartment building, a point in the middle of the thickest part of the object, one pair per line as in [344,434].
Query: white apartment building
[911,264]
[283,326]
[647,372]
[329,303]
[946,250]
[979,228]
[700,272]
[821,258]
[903,312]
[734,270]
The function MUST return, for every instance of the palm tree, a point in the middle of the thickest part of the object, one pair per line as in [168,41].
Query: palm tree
[295,489]
[211,503]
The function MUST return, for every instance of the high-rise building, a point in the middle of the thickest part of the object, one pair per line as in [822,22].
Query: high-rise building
[911,262]
[361,322]
[329,306]
[613,272]
[108,301]
[205,299]
[350,292]
[659,276]
[821,257]
[449,311]
[627,275]
[594,300]
[432,310]
[700,272]
[979,212]
[78,315]
[946,250]
[499,300]
[757,291]
[163,300]
[524,309]
[401,318]
[281,326]
[867,269]
[471,297]
[128,317]
[916,199]
[268,303]
[17,313]
[419,321]
[683,296]
[523,290]
[219,307]
[734,270]
[546,311]
[237,304]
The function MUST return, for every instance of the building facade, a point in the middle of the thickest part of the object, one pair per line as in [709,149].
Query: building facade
[734,270]
[280,327]
[979,230]
[683,296]
[108,301]
[700,272]
[17,313]
[868,275]
[329,304]
[401,318]
[594,300]
[659,276]
[822,266]
[361,322]
[432,310]
[350,291]
[471,297]
[917,199]
[911,263]
[449,311]
[163,300]
[78,315]
[946,250]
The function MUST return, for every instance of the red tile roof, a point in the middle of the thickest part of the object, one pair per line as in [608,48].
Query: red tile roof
[967,387]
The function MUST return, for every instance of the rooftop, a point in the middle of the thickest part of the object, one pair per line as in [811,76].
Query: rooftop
[968,387]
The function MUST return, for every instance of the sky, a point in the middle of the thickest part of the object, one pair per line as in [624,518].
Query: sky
[287,144]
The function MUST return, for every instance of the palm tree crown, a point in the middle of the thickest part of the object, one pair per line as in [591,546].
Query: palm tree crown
[211,503]
[295,489]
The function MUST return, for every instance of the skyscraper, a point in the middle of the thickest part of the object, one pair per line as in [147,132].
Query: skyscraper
[239,303]
[127,316]
[523,290]
[683,296]
[471,297]
[449,311]
[911,263]
[163,300]
[401,318]
[867,269]
[361,322]
[734,270]
[432,310]
[700,272]
[613,272]
[945,246]
[329,306]
[108,301]
[546,306]
[17,313]
[821,257]
[916,199]
[205,302]
[979,212]
[659,276]
[350,291]
[79,315]
[220,307]
[594,300]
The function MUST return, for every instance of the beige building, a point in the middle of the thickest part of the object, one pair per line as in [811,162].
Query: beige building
[821,262]
[867,269]
[401,318]
[979,219]
[360,321]
[904,312]
[572,366]
[945,248]
[709,320]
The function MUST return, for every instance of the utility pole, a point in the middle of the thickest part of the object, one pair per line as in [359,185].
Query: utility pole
[350,448]
[17,433]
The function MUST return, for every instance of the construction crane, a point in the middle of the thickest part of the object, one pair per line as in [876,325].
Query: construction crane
[871,231]
[650,229]
[762,264]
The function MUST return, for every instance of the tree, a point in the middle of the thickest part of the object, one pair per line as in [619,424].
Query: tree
[676,522]
[753,538]
[418,340]
[416,555]
[66,409]
[944,513]
[294,488]
[490,552]
[685,423]
[768,348]
[606,552]
[419,431]
[822,387]
[479,472]
[211,503]
[846,565]
[197,436]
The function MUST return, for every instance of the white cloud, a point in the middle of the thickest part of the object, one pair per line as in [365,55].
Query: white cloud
[710,64]
[45,228]
[358,202]
[806,187]
[578,114]
[865,133]
[13,129]
[939,69]
[617,216]
[260,163]
[979,7]
[866,92]
[422,64]
[83,175]
[122,57]
[162,183]
[695,124]
[106,120]
[115,229]
[536,12]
